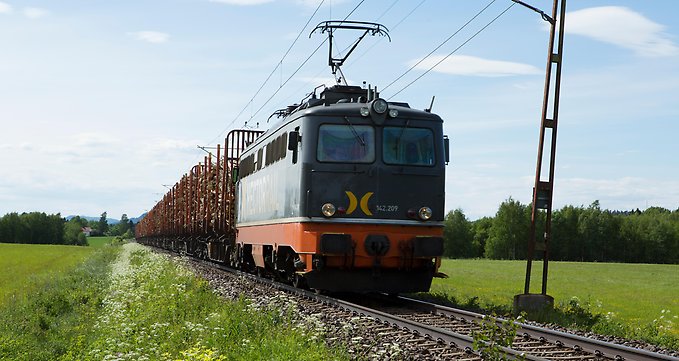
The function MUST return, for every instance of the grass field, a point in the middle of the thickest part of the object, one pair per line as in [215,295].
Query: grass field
[97,242]
[128,303]
[637,294]
[641,300]
[24,266]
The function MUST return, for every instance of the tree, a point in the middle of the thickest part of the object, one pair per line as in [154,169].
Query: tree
[600,234]
[34,227]
[480,233]
[56,228]
[11,228]
[131,230]
[121,227]
[631,235]
[653,235]
[457,235]
[124,224]
[674,219]
[103,224]
[566,240]
[73,233]
[508,238]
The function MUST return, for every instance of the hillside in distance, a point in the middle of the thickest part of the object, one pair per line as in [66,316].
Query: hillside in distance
[109,220]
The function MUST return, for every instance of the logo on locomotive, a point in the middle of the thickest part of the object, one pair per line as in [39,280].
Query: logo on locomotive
[353,202]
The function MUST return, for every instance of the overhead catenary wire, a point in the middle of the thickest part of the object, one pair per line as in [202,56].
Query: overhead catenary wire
[392,28]
[376,20]
[287,80]
[353,10]
[453,52]
[300,66]
[387,10]
[308,83]
[408,15]
[278,65]
[440,45]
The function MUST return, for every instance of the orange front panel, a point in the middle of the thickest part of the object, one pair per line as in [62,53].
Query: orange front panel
[304,239]
[282,234]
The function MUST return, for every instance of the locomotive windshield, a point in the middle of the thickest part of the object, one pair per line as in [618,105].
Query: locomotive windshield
[408,146]
[346,143]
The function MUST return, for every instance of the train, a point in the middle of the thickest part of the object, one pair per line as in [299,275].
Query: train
[344,193]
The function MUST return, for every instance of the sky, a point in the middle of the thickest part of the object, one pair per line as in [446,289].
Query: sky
[103,103]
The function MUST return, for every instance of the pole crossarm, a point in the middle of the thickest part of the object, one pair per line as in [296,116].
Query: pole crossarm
[545,17]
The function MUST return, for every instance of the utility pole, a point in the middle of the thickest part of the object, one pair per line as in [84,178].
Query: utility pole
[543,189]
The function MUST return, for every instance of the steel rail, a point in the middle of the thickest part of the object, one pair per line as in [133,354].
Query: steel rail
[433,332]
[595,347]
[455,339]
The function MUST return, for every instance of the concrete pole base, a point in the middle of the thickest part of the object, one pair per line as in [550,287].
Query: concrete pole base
[532,303]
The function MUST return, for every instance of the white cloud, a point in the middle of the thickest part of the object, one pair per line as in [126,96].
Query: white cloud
[170,151]
[619,193]
[93,140]
[471,65]
[242,2]
[155,37]
[24,147]
[5,8]
[35,13]
[167,149]
[479,193]
[78,175]
[623,27]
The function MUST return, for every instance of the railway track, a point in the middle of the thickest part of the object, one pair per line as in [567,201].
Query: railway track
[534,341]
[428,331]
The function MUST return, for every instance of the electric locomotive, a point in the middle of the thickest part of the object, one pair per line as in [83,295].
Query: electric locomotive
[346,193]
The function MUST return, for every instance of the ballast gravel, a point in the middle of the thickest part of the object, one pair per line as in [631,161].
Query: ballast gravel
[362,337]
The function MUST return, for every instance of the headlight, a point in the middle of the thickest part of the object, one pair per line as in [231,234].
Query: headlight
[328,209]
[393,113]
[365,111]
[424,213]
[380,106]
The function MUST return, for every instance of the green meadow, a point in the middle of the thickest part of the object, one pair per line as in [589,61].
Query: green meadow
[125,302]
[66,301]
[633,297]
[101,241]
[25,266]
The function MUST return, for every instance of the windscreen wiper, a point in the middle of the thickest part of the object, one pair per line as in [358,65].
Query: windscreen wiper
[398,140]
[353,130]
